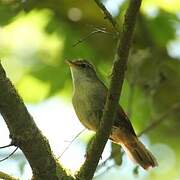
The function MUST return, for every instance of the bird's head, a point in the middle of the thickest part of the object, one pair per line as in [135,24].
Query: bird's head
[82,70]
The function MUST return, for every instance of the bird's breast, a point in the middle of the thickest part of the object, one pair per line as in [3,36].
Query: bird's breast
[88,102]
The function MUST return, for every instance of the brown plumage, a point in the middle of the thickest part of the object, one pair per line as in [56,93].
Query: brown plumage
[123,134]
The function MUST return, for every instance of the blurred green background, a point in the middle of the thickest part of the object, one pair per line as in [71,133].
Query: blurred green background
[36,37]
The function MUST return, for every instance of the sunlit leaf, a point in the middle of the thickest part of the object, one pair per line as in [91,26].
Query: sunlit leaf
[32,89]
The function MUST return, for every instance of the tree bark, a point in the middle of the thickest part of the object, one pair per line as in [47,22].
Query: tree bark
[119,67]
[26,135]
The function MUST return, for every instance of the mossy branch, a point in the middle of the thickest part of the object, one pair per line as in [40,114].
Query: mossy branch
[6,176]
[119,66]
[26,135]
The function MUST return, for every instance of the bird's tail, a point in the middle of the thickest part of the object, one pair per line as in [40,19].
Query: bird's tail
[138,153]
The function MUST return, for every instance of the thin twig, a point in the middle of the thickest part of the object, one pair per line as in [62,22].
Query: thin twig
[9,155]
[108,158]
[107,14]
[9,145]
[105,171]
[67,147]
[160,119]
[97,30]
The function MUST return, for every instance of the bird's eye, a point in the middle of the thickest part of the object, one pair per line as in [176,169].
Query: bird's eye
[84,65]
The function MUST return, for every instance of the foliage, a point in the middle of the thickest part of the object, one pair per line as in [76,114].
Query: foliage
[38,36]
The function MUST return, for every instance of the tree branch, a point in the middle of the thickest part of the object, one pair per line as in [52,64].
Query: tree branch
[25,134]
[119,66]
[6,176]
[107,14]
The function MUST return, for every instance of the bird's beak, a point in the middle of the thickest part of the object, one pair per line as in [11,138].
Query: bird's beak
[71,63]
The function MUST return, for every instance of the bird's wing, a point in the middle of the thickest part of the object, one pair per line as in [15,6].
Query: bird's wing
[123,121]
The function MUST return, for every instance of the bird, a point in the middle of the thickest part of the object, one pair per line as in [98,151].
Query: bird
[89,97]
